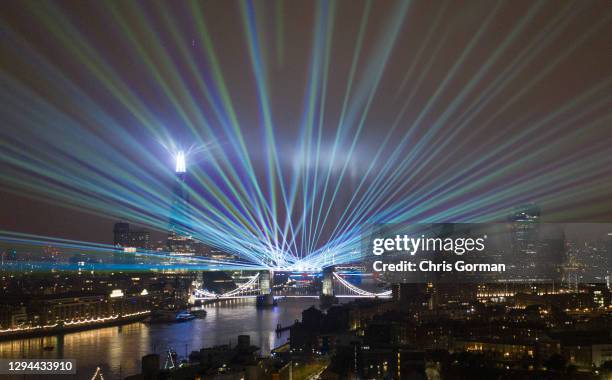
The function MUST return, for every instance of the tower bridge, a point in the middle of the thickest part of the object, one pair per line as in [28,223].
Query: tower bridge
[334,286]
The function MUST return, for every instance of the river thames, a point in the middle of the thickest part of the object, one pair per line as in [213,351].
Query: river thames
[118,349]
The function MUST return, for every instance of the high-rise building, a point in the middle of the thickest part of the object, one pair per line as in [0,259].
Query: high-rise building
[124,236]
[539,249]
[140,239]
[179,242]
[525,229]
[121,234]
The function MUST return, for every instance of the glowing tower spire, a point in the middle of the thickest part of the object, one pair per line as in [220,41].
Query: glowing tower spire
[181,167]
[179,243]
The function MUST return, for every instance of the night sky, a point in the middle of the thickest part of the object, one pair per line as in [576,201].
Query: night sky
[519,92]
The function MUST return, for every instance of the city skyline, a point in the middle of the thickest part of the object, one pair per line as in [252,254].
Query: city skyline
[306,190]
[301,130]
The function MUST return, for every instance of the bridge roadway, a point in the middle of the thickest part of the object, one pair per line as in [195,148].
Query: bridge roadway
[221,297]
[260,285]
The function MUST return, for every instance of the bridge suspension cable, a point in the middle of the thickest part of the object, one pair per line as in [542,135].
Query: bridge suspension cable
[244,287]
[248,287]
[357,290]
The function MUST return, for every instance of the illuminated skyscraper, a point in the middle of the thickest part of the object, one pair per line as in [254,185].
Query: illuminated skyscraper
[121,234]
[127,237]
[180,163]
[525,229]
[128,241]
[179,242]
[538,248]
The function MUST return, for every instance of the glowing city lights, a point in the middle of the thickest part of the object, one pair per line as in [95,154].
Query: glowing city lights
[450,148]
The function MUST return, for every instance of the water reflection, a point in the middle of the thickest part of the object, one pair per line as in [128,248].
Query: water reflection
[117,350]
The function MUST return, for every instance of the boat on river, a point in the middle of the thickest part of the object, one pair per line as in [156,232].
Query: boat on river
[171,316]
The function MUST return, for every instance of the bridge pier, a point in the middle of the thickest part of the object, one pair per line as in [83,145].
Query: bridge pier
[327,297]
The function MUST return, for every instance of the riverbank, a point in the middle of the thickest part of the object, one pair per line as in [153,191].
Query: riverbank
[118,350]
[73,326]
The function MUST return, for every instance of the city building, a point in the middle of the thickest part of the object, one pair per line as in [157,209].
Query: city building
[223,362]
[525,229]
[180,242]
[127,237]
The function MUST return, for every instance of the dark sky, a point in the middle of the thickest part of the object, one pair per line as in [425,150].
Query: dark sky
[463,79]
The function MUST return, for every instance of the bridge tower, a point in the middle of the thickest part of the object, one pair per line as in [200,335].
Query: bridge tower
[265,288]
[265,285]
[327,295]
